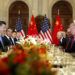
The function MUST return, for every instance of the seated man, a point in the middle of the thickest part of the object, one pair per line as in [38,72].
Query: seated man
[7,38]
[70,46]
[2,30]
[14,37]
[62,39]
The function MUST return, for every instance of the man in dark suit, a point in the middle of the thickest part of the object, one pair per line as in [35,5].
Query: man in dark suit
[70,46]
[63,42]
[14,37]
[2,30]
[62,39]
[7,37]
[73,39]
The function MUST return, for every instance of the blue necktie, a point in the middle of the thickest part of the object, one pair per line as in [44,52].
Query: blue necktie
[1,41]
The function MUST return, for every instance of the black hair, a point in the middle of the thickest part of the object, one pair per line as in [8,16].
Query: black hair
[9,29]
[2,22]
[14,31]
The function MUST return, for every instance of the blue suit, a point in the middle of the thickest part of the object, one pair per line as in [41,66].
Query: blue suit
[2,46]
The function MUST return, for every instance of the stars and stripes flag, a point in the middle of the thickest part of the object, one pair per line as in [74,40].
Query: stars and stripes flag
[45,33]
[19,27]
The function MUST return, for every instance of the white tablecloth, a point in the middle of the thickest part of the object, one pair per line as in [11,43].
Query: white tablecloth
[69,70]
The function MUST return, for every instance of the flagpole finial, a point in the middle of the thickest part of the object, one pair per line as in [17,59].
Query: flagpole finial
[58,11]
[45,15]
[19,12]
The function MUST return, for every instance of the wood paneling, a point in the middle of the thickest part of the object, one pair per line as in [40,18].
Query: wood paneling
[65,12]
[14,14]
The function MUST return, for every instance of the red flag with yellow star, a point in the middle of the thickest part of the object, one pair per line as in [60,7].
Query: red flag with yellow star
[58,27]
[32,29]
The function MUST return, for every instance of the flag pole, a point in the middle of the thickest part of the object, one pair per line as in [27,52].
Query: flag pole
[58,11]
[45,15]
[19,12]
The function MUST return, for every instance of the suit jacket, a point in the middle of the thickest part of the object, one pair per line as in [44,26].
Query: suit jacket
[63,43]
[3,48]
[7,41]
[70,46]
[15,40]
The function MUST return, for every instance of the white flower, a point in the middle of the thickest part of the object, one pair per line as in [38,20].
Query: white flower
[21,41]
[31,39]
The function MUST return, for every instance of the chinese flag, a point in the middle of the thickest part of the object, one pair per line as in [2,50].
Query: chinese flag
[32,29]
[58,27]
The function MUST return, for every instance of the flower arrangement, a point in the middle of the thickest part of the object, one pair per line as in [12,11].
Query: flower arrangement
[27,58]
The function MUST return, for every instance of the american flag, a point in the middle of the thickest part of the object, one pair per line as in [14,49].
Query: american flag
[45,32]
[19,27]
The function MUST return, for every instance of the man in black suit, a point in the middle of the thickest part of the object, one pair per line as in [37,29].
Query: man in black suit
[7,37]
[73,39]
[14,37]
[2,31]
[62,39]
[70,46]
